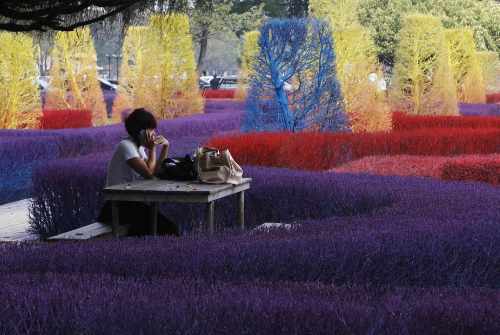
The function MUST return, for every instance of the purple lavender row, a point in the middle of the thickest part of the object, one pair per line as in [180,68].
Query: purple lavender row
[22,150]
[99,304]
[200,124]
[343,251]
[432,233]
[479,109]
[68,195]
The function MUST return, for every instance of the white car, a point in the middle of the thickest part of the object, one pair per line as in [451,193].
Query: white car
[227,82]
[44,83]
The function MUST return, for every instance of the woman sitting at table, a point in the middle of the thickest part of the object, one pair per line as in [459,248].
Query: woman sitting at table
[135,159]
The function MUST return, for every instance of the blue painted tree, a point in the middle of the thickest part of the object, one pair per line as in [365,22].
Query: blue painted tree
[294,84]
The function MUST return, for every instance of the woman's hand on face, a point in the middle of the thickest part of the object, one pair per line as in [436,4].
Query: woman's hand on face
[160,140]
[150,139]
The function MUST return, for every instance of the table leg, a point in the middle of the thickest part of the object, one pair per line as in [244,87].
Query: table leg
[210,216]
[241,209]
[154,218]
[115,218]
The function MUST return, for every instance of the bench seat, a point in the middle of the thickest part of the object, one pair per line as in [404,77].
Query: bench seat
[91,231]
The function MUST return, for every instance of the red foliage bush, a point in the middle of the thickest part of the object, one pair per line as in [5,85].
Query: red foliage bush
[65,118]
[402,121]
[487,171]
[219,94]
[323,151]
[493,98]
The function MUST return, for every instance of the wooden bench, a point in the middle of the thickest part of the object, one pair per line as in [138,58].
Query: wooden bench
[91,231]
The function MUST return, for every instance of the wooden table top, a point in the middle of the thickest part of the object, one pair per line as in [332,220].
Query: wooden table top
[171,187]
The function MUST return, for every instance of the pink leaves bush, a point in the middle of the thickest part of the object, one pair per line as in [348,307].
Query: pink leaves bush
[405,122]
[218,94]
[434,166]
[493,98]
[487,171]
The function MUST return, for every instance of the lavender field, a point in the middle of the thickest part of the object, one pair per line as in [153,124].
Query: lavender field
[365,254]
[368,132]
[24,150]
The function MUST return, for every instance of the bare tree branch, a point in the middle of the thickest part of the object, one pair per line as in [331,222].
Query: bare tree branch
[65,15]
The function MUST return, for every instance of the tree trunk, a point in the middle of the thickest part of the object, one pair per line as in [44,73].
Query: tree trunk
[203,49]
[298,8]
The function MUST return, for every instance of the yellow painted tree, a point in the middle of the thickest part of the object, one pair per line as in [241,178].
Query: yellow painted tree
[73,76]
[134,72]
[422,81]
[179,79]
[249,50]
[490,67]
[466,66]
[20,103]
[358,70]
[158,70]
[341,14]
[361,79]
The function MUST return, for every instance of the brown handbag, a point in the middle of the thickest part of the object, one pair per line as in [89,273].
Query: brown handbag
[217,167]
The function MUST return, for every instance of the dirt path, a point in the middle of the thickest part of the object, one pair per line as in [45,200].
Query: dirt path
[14,222]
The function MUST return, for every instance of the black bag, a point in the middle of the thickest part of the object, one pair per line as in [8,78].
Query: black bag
[178,168]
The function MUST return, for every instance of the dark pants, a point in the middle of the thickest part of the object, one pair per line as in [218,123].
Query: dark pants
[138,216]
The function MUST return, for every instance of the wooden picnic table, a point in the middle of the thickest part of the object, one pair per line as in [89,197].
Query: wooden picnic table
[155,191]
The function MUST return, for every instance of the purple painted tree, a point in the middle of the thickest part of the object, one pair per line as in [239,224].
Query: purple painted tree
[294,84]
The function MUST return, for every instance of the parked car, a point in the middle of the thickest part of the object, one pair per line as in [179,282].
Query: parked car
[108,88]
[107,84]
[204,82]
[227,82]
[44,84]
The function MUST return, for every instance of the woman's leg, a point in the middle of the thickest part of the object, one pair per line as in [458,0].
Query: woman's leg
[105,213]
[133,214]
[137,216]
[167,227]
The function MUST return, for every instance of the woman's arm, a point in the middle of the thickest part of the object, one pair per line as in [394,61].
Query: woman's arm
[160,140]
[141,168]
[147,169]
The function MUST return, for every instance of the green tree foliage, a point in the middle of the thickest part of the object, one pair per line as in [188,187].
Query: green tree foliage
[341,14]
[275,8]
[423,81]
[212,17]
[466,66]
[384,18]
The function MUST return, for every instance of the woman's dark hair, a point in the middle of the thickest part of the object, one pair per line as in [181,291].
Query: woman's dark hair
[139,119]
